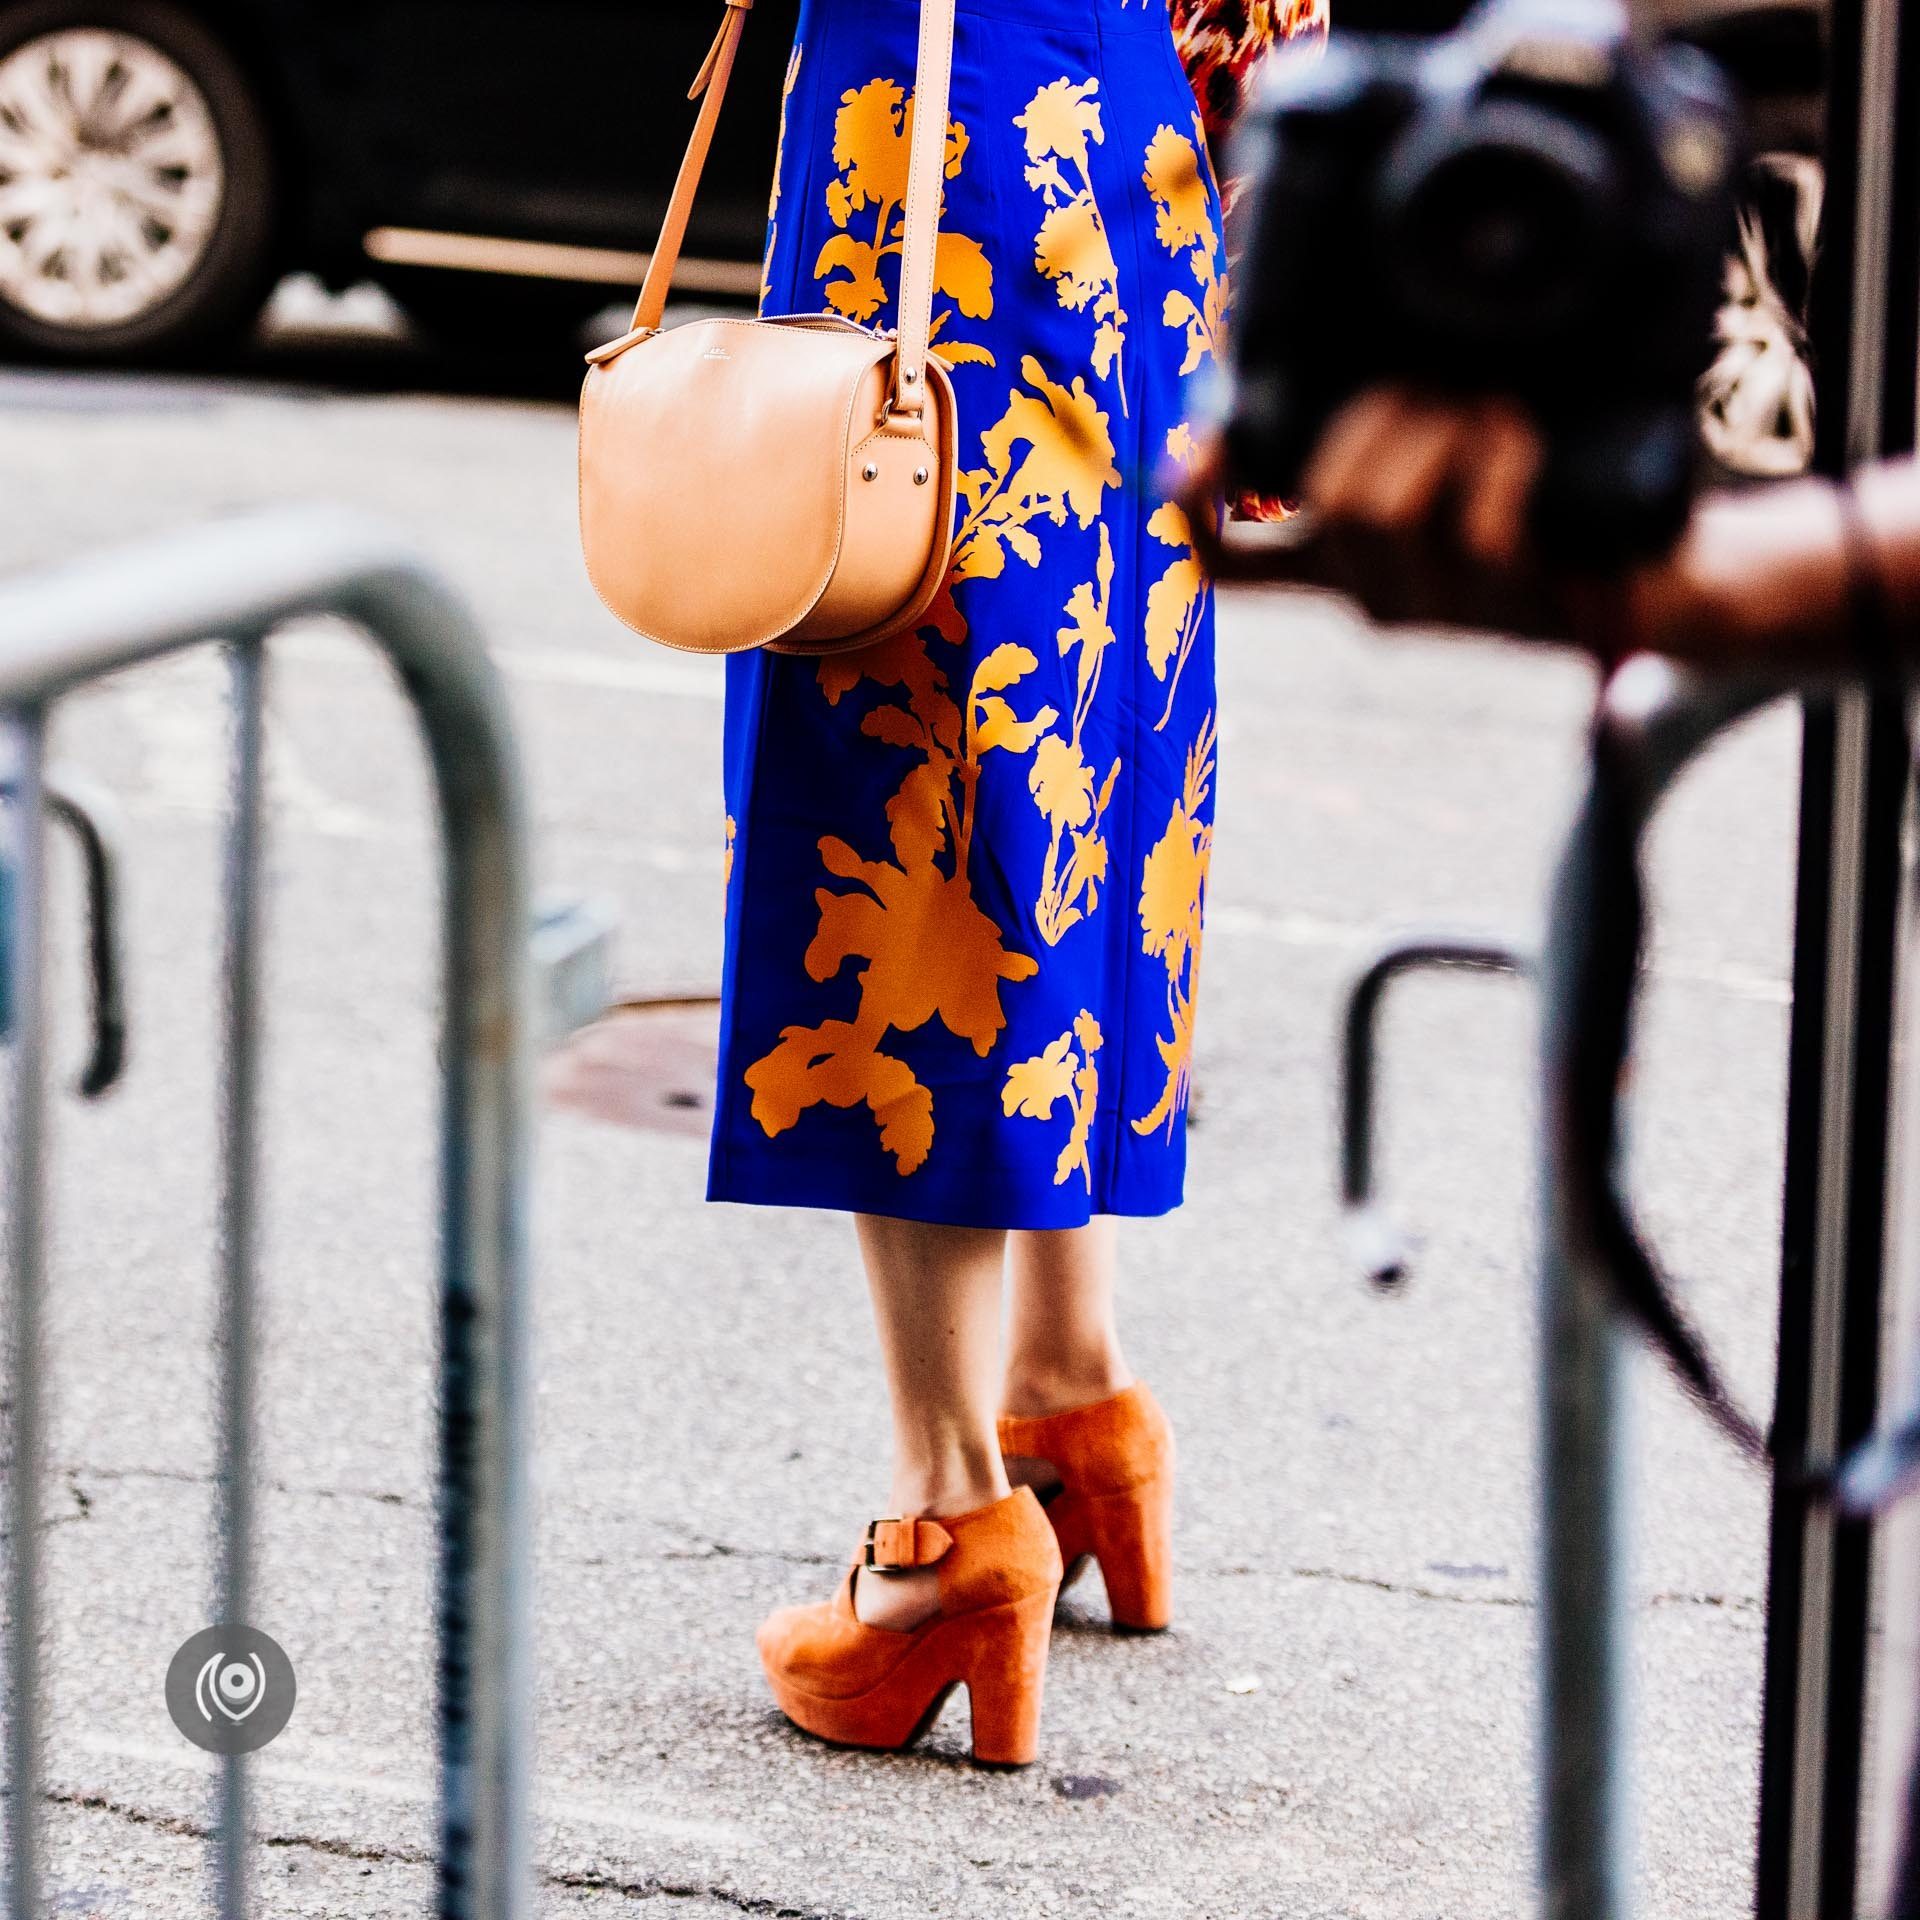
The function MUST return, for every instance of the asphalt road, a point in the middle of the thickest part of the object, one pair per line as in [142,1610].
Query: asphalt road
[1339,1724]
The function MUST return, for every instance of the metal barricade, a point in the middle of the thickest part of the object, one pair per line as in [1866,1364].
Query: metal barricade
[1650,725]
[1594,1283]
[234,585]
[1377,1245]
[1596,1276]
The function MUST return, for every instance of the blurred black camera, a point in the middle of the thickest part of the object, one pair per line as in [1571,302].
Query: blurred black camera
[1536,205]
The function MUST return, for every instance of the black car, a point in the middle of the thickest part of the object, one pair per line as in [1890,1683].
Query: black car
[499,165]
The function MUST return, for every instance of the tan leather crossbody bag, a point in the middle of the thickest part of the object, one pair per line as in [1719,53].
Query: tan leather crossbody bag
[783,482]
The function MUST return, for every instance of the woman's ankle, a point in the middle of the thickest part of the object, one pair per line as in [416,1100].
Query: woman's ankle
[1036,1388]
[953,1480]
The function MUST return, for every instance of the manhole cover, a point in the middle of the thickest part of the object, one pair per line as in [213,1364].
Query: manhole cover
[648,1064]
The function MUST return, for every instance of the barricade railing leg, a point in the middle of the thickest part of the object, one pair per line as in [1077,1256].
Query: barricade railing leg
[240,1074]
[1585,1817]
[26,1262]
[484,1574]
[1596,1280]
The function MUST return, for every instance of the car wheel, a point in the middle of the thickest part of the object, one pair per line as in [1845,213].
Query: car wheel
[136,181]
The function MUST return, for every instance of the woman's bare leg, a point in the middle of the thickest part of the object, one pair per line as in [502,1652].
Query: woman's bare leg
[936,1301]
[1063,1347]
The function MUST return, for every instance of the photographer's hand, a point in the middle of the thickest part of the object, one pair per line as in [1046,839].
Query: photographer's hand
[1394,462]
[1417,508]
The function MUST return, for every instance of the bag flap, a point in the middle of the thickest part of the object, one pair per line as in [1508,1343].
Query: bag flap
[721,445]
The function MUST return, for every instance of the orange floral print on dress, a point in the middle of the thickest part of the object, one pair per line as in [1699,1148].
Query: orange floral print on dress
[1177,601]
[1061,124]
[872,140]
[1173,900]
[1062,783]
[930,949]
[1183,223]
[1034,1086]
[1067,466]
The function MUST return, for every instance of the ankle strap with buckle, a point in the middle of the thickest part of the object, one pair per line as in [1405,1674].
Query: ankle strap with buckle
[900,1545]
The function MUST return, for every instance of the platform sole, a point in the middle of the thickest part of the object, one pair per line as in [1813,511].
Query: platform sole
[999,1654]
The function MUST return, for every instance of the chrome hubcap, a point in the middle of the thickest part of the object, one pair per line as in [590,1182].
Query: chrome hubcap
[110,178]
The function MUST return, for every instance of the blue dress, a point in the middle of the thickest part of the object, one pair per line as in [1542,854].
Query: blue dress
[967,868]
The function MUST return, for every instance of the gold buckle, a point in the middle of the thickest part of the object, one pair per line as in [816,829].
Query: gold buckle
[867,1560]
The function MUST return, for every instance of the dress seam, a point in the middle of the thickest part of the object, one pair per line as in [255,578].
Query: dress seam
[1136,605]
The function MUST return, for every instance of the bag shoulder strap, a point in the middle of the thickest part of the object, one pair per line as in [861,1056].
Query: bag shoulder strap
[711,82]
[926,170]
[926,175]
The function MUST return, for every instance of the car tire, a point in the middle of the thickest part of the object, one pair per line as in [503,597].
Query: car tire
[161,234]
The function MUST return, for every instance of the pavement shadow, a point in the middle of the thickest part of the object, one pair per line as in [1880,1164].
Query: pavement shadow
[941,1748]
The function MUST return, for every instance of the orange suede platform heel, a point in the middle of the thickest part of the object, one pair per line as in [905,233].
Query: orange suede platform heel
[862,1686]
[1115,1499]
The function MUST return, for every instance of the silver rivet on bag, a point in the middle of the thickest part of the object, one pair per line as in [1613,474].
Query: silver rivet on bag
[919,476]
[870,471]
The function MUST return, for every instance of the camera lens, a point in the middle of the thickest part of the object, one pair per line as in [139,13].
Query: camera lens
[1495,223]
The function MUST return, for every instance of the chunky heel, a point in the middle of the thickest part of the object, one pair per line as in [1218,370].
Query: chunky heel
[1115,1500]
[1131,1536]
[1006,1680]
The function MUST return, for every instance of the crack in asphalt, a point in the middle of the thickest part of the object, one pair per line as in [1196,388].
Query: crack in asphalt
[82,1508]
[179,1476]
[651,1887]
[1413,1590]
[704,1548]
[1722,1602]
[1408,1590]
[186,1829]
